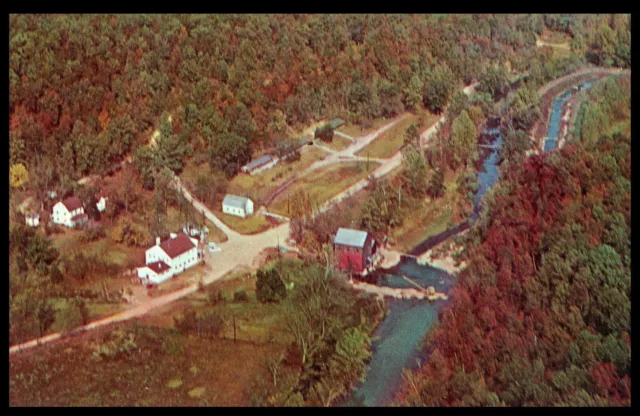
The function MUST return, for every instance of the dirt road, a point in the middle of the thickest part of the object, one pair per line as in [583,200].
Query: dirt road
[239,250]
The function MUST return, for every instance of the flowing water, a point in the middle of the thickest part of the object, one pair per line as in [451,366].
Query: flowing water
[551,140]
[398,340]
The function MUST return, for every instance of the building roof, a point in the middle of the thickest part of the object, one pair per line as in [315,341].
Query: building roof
[335,123]
[79,217]
[176,246]
[350,237]
[100,195]
[235,201]
[256,163]
[159,267]
[71,203]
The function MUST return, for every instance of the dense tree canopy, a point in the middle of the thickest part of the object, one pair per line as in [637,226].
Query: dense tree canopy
[87,90]
[541,317]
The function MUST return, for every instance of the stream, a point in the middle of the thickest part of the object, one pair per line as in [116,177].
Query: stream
[398,340]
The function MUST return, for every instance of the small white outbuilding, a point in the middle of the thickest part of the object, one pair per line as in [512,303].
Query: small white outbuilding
[237,205]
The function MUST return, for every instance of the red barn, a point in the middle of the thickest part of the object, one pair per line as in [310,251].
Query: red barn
[354,250]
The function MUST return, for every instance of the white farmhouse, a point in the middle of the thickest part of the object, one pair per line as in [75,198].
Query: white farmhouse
[168,258]
[69,212]
[101,203]
[237,205]
[32,219]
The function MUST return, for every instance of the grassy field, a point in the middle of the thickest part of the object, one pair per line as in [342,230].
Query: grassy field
[428,217]
[167,368]
[250,225]
[260,186]
[389,142]
[322,184]
[356,131]
[105,247]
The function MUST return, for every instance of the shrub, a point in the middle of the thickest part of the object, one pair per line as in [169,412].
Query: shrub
[215,297]
[92,233]
[240,296]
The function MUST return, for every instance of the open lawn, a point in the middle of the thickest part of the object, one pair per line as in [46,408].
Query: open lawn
[250,225]
[389,142]
[105,247]
[426,218]
[260,186]
[355,130]
[322,184]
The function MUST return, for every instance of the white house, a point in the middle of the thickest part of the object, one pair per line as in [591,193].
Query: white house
[168,258]
[101,203]
[69,212]
[237,205]
[32,219]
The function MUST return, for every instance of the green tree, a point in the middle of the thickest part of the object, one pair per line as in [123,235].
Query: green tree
[228,153]
[269,286]
[463,139]
[45,316]
[438,86]
[436,184]
[415,171]
[493,80]
[349,361]
[381,210]
[412,135]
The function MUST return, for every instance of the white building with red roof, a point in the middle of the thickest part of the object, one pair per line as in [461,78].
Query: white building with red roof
[69,212]
[168,258]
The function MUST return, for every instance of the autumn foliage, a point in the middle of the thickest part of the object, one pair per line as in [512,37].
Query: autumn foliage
[541,316]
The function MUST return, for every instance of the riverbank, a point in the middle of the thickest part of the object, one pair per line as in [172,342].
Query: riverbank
[443,257]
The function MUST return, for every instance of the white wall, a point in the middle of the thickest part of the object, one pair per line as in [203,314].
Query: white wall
[238,212]
[184,260]
[154,254]
[101,205]
[62,216]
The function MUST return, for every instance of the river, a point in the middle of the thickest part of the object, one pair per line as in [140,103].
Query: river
[551,140]
[398,340]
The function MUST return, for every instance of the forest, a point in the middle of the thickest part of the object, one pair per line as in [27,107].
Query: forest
[541,317]
[85,89]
